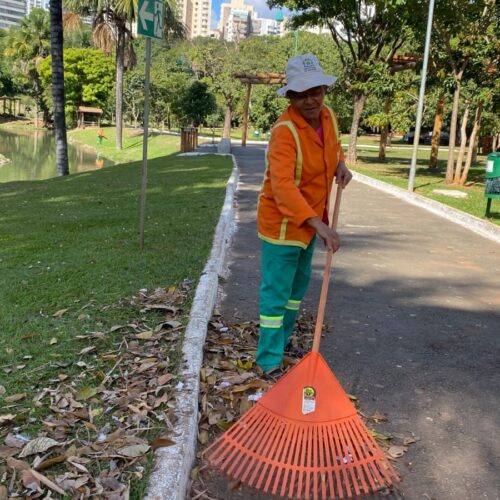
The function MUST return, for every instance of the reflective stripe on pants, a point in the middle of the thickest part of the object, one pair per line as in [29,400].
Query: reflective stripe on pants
[286,271]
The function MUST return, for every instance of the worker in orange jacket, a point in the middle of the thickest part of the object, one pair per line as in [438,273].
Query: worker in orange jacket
[303,157]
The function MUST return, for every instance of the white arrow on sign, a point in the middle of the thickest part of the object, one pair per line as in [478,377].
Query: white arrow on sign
[144,15]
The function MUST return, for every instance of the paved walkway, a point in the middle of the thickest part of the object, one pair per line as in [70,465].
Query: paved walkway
[414,306]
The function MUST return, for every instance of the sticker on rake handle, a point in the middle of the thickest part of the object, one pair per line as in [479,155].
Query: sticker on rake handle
[308,400]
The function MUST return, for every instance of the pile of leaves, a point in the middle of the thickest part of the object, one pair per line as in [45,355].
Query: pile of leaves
[99,427]
[231,383]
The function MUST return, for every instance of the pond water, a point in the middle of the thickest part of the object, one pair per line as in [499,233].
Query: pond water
[32,156]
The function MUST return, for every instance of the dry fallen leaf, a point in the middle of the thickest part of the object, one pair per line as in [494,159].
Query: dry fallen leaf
[15,397]
[396,451]
[2,390]
[135,450]
[8,451]
[29,480]
[163,379]
[161,443]
[85,393]
[203,437]
[38,445]
[87,350]
[6,418]
[59,313]
[14,442]
[145,335]
[53,341]
[378,417]
[17,465]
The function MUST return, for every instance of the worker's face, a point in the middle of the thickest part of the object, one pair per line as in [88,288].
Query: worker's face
[308,103]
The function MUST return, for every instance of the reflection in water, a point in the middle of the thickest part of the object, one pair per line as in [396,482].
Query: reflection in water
[33,157]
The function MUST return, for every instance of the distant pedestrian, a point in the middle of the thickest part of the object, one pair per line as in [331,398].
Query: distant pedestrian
[100,136]
[303,157]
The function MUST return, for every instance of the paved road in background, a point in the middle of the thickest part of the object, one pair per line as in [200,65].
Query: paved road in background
[414,311]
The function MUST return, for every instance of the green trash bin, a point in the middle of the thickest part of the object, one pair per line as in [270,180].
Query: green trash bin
[492,183]
[256,134]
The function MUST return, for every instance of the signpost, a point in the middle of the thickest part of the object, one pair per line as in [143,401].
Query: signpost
[421,95]
[150,23]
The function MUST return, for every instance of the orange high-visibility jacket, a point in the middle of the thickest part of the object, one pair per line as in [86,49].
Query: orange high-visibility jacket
[298,178]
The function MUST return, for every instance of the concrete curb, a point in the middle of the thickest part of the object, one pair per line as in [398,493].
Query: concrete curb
[171,473]
[479,226]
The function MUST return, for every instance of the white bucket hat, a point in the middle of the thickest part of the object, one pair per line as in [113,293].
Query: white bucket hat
[303,73]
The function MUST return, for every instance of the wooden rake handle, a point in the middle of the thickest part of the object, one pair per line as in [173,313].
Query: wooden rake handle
[326,275]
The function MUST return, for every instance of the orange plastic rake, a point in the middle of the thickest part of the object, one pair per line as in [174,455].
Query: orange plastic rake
[304,438]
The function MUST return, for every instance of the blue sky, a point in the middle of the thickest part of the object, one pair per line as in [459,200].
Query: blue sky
[260,6]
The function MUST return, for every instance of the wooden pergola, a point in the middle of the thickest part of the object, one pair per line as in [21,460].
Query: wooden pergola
[403,62]
[255,79]
[87,110]
[11,105]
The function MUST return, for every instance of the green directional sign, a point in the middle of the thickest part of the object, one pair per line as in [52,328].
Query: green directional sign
[150,21]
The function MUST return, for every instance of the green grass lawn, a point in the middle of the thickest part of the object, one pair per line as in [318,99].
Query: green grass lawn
[158,144]
[395,170]
[72,243]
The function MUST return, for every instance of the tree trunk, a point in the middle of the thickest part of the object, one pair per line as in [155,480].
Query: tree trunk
[474,150]
[35,118]
[56,50]
[359,103]
[453,133]
[226,134]
[472,142]
[38,96]
[384,131]
[120,68]
[246,112]
[436,132]
[495,142]
[389,138]
[463,142]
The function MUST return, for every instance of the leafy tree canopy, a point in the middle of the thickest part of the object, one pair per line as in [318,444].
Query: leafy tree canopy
[88,77]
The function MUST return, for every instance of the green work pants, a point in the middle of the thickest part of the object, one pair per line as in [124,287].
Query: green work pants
[286,271]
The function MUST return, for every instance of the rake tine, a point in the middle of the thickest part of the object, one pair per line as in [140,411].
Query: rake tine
[251,440]
[287,458]
[295,461]
[328,463]
[358,438]
[348,457]
[273,429]
[356,459]
[281,446]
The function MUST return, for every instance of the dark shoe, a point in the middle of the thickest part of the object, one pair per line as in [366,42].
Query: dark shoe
[294,352]
[274,374]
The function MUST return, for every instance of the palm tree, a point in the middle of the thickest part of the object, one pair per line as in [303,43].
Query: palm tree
[25,45]
[56,49]
[111,27]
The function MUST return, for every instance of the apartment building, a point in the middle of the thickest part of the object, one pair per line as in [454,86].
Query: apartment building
[263,27]
[38,4]
[239,20]
[196,15]
[11,12]
[236,20]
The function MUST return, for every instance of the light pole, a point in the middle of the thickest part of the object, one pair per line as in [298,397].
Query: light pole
[416,138]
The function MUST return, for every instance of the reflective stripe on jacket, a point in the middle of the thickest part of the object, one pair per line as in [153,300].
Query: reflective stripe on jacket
[298,178]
